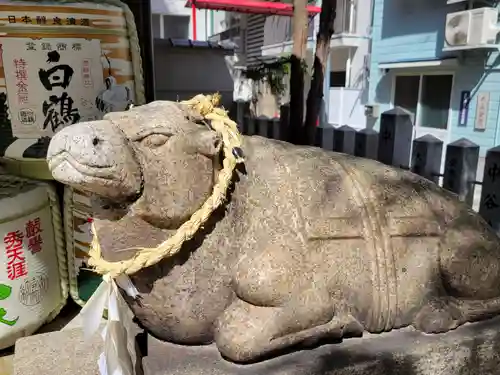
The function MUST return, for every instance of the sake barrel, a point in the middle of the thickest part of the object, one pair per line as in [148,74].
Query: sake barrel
[33,268]
[61,63]
[77,228]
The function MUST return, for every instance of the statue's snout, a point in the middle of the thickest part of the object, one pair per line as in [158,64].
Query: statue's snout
[93,144]
[94,156]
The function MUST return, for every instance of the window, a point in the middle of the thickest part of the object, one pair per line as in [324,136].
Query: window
[337,79]
[435,101]
[426,96]
[406,93]
[167,26]
[176,27]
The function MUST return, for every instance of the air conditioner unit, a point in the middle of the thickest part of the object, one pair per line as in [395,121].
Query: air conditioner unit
[471,29]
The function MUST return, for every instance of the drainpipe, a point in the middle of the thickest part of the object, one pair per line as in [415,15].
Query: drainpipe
[211,22]
[193,18]
[348,67]
[206,24]
[372,17]
[497,129]
[370,42]
[326,87]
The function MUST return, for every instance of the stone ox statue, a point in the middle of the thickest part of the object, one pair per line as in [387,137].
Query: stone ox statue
[311,246]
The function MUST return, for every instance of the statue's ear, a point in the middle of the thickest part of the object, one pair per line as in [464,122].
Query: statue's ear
[207,142]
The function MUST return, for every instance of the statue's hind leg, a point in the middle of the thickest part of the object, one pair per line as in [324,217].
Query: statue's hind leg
[469,268]
[438,316]
[246,333]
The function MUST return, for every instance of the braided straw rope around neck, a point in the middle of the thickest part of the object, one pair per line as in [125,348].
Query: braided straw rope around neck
[146,257]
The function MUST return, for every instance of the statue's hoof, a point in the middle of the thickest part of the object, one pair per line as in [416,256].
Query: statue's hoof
[437,318]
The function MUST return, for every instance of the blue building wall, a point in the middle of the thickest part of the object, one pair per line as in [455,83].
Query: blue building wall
[409,30]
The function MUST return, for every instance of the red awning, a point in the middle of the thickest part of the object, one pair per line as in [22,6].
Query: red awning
[250,6]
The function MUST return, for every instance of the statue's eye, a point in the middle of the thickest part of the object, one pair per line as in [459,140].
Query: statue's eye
[155,140]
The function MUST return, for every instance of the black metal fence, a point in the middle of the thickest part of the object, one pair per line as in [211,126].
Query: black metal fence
[394,145]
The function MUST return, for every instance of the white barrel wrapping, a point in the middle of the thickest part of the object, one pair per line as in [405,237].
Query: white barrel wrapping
[33,271]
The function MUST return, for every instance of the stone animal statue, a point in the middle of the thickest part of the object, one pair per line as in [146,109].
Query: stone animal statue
[311,245]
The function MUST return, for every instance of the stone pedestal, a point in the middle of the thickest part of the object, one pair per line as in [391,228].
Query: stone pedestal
[64,352]
[61,353]
[473,349]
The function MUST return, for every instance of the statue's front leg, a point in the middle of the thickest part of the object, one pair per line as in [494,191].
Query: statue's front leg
[247,333]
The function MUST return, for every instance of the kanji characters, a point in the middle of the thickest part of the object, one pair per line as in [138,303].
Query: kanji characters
[59,111]
[16,262]
[34,235]
[33,227]
[21,72]
[57,76]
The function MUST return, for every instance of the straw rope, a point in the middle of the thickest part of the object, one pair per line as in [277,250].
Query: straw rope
[135,52]
[206,106]
[69,230]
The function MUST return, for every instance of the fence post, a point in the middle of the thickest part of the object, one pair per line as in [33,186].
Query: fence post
[366,143]
[343,139]
[262,127]
[250,125]
[426,157]
[275,125]
[318,136]
[244,128]
[238,111]
[284,121]
[489,208]
[460,169]
[396,133]
[324,137]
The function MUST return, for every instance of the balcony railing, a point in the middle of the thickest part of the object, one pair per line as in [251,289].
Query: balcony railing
[234,35]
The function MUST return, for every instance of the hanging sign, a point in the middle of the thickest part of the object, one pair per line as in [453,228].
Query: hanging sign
[52,83]
[463,112]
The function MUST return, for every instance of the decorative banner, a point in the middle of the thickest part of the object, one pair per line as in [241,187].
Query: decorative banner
[30,281]
[51,83]
[482,106]
[463,112]
[24,134]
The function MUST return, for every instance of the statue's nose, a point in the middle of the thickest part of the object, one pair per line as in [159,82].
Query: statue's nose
[68,139]
[83,141]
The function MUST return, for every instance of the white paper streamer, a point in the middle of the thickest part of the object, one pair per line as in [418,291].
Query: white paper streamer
[126,284]
[116,358]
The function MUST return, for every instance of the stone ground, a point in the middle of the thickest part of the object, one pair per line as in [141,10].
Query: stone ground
[65,320]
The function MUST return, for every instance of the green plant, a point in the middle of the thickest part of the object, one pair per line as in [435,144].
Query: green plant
[273,73]
[5,292]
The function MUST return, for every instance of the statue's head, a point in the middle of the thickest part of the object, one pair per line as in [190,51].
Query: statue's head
[153,161]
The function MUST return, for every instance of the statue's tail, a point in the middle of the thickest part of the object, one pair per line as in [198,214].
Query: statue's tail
[474,310]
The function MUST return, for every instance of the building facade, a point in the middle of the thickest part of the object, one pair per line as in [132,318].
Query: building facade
[346,81]
[261,37]
[172,19]
[439,60]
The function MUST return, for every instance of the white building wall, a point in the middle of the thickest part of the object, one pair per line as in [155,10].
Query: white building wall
[208,22]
